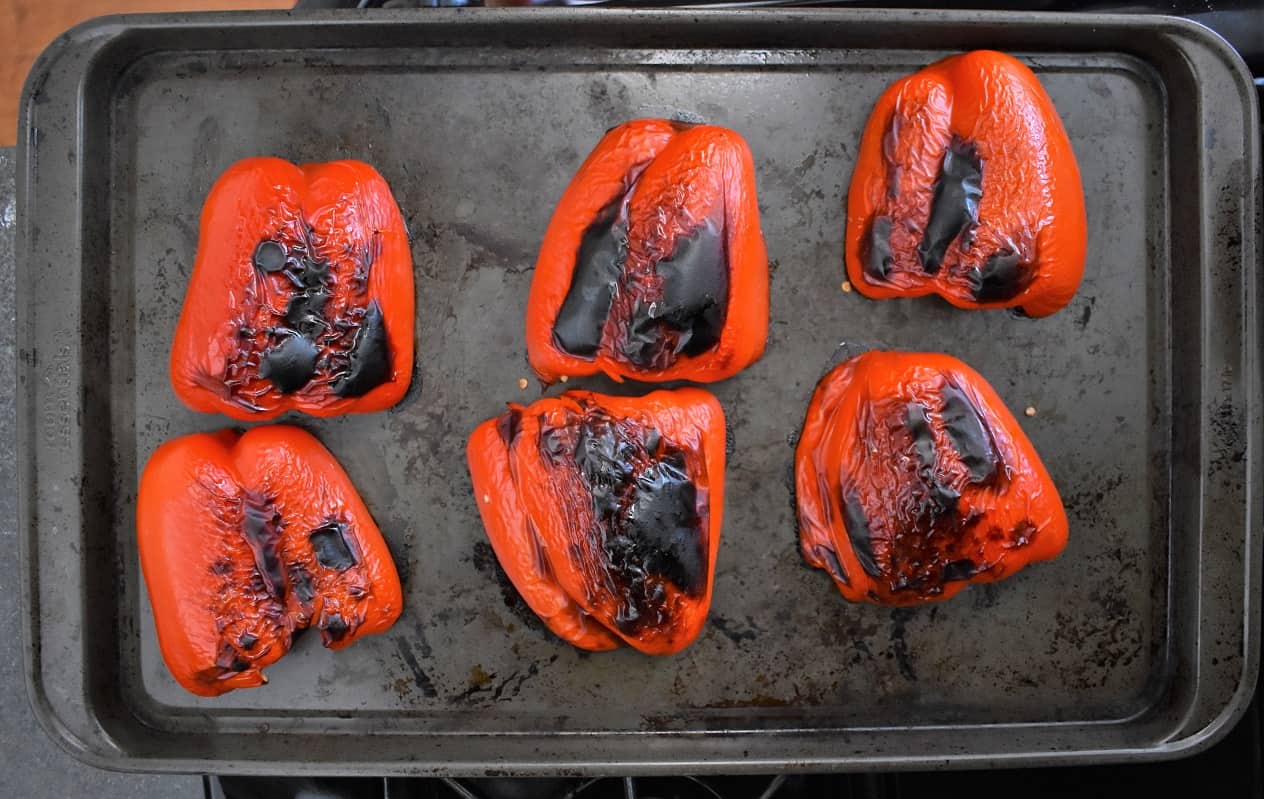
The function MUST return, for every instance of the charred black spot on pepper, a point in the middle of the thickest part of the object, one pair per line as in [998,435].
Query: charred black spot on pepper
[290,364]
[228,660]
[832,564]
[222,567]
[368,364]
[331,548]
[1001,278]
[923,440]
[313,273]
[508,425]
[364,262]
[1023,533]
[605,462]
[301,584]
[335,627]
[261,529]
[650,439]
[962,569]
[955,206]
[858,533]
[247,640]
[943,498]
[689,316]
[663,520]
[305,311]
[646,513]
[696,288]
[969,435]
[551,443]
[269,256]
[930,536]
[598,268]
[878,262]
[643,344]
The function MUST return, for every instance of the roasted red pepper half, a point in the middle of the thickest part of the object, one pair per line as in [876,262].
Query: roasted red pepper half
[912,479]
[653,266]
[246,539]
[966,187]
[301,296]
[605,512]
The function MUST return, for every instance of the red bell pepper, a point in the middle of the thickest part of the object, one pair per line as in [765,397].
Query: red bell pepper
[605,512]
[245,539]
[301,296]
[966,186]
[653,266]
[912,479]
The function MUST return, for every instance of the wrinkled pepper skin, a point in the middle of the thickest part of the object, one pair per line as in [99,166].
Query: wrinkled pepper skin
[301,296]
[247,538]
[653,266]
[605,512]
[912,479]
[966,187]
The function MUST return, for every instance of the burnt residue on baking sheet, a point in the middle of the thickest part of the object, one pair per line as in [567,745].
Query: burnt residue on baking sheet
[420,678]
[737,631]
[483,557]
[900,618]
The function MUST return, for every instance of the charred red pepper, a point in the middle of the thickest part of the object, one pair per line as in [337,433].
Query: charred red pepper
[913,479]
[966,187]
[653,266]
[605,512]
[301,296]
[246,539]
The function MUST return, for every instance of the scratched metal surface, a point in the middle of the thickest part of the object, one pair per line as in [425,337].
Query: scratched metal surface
[477,144]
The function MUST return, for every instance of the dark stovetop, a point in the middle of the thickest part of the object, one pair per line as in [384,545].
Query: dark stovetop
[1230,769]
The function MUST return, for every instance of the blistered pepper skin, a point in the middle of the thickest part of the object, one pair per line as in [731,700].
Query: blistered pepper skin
[605,512]
[247,538]
[966,186]
[653,266]
[301,296]
[912,479]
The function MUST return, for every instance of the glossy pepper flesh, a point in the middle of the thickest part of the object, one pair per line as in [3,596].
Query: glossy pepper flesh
[653,266]
[246,539]
[912,479]
[966,186]
[301,296]
[605,512]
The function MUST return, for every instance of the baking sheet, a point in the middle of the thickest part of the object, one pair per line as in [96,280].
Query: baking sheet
[1140,641]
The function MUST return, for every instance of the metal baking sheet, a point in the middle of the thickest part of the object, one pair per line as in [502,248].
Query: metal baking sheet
[1139,642]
